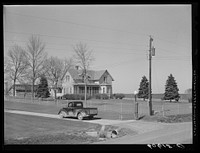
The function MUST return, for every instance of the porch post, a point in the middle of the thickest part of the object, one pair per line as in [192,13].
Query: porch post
[78,90]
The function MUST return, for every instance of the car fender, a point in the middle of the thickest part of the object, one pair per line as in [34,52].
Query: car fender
[62,110]
[80,111]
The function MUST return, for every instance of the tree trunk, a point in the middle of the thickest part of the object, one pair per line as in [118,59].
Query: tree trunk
[55,91]
[14,87]
[33,83]
[25,92]
[85,94]
[55,96]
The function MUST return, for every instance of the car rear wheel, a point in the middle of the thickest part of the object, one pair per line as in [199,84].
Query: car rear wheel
[62,114]
[80,116]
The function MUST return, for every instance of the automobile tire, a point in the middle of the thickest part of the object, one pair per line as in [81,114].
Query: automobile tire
[62,114]
[80,116]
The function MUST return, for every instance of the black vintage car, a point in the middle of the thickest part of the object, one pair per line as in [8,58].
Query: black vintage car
[76,109]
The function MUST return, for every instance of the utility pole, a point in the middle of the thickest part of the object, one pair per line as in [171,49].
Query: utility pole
[150,96]
[85,81]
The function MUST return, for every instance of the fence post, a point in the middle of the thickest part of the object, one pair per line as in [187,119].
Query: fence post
[136,110]
[104,106]
[136,104]
[121,111]
[178,109]
[163,109]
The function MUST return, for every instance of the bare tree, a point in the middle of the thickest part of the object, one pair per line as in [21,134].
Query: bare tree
[15,64]
[6,64]
[83,58]
[56,68]
[36,57]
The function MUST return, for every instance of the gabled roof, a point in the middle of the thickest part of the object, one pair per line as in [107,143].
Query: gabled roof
[94,75]
[75,73]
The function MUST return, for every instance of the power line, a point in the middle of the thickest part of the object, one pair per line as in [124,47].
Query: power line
[97,52]
[45,48]
[77,24]
[92,45]
[91,26]
[119,63]
[161,39]
[61,37]
[122,52]
[160,57]
[178,56]
[174,59]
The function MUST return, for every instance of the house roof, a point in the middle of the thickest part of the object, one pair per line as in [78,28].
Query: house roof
[94,75]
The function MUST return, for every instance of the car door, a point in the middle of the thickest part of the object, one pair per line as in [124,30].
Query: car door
[70,109]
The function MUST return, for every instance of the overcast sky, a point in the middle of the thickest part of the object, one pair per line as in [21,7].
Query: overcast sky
[118,36]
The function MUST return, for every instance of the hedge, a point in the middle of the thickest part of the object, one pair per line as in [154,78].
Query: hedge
[75,97]
[118,96]
[101,96]
[96,96]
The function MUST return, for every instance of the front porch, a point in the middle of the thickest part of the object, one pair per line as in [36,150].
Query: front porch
[93,89]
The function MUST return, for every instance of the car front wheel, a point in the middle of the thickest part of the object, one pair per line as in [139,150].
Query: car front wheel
[62,114]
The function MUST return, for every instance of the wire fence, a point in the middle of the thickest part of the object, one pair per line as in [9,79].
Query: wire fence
[115,108]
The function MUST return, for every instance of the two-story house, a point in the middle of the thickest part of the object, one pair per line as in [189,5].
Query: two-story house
[98,82]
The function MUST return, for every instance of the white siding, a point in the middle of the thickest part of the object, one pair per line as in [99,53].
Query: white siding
[68,84]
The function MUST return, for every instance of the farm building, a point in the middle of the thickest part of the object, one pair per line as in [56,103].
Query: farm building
[98,82]
[22,89]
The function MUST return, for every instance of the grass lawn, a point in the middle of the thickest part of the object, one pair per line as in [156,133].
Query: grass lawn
[22,129]
[168,119]
[32,107]
[107,109]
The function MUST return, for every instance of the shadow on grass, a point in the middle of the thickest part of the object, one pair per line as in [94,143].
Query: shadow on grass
[85,118]
[140,117]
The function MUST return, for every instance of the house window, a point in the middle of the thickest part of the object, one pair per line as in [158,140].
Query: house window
[103,90]
[67,78]
[104,79]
